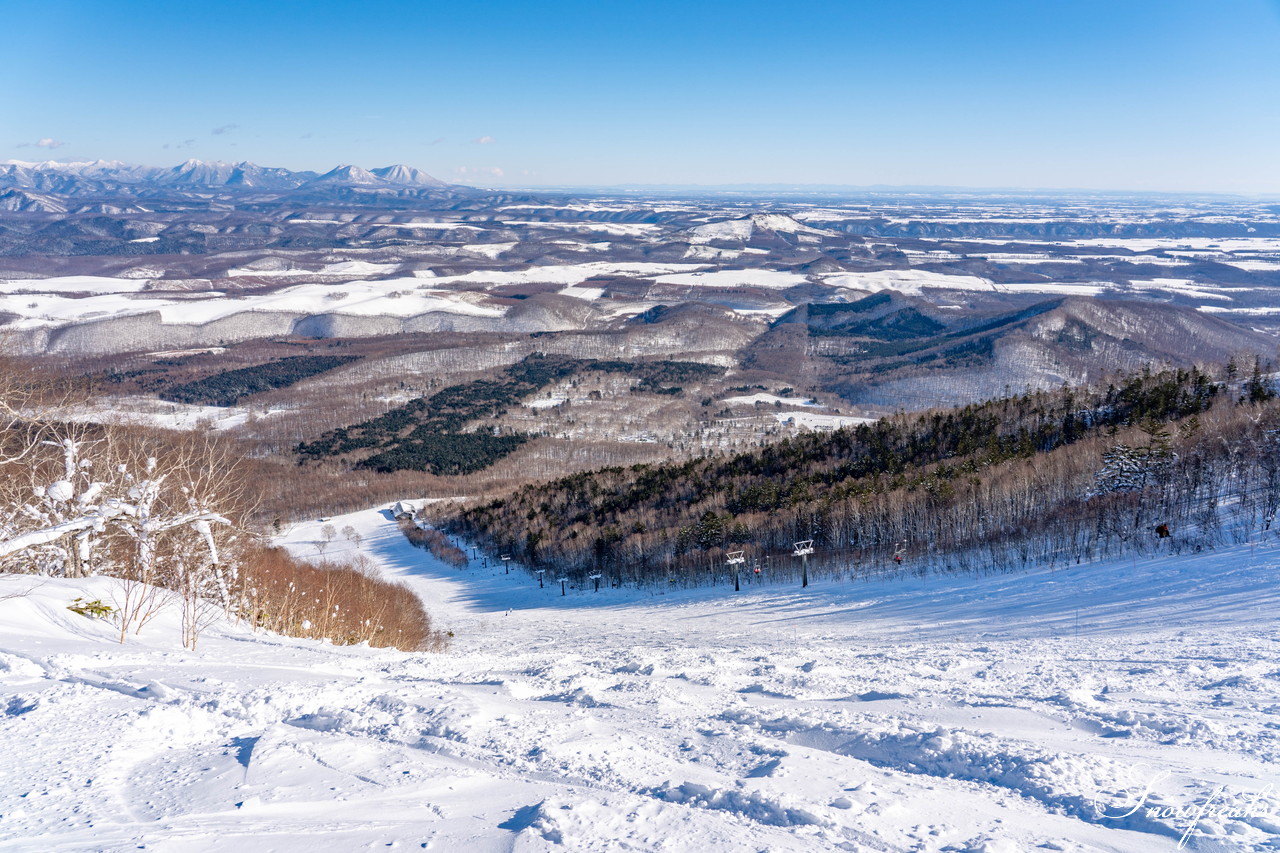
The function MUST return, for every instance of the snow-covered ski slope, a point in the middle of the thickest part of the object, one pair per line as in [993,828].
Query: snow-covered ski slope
[1097,708]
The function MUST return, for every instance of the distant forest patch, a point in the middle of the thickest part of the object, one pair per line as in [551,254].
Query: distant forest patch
[426,434]
[230,386]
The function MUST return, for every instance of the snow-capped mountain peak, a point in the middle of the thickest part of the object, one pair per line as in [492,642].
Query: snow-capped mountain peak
[95,176]
[402,174]
[348,174]
[200,173]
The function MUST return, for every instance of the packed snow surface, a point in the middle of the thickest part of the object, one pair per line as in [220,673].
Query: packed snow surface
[1126,706]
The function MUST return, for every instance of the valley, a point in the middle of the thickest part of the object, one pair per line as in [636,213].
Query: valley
[817,308]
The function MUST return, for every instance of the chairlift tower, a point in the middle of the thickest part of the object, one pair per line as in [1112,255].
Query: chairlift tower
[506,561]
[802,550]
[735,559]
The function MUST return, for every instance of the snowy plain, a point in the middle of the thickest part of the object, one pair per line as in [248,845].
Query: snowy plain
[1014,712]
[405,297]
[360,289]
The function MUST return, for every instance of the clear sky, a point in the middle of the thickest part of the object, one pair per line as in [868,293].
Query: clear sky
[1121,94]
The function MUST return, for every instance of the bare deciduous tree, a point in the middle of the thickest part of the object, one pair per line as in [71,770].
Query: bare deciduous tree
[154,511]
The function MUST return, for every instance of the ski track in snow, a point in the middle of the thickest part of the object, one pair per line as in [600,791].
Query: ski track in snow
[990,715]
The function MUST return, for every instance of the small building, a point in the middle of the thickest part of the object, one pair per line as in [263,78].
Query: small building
[400,509]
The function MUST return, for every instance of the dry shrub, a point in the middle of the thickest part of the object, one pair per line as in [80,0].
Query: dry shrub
[345,603]
[435,542]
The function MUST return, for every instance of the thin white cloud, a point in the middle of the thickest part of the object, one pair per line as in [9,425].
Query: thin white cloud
[50,142]
[484,140]
[226,128]
[479,171]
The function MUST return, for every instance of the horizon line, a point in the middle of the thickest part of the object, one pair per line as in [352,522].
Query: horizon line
[723,187]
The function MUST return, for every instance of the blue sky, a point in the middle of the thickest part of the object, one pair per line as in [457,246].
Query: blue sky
[1124,94]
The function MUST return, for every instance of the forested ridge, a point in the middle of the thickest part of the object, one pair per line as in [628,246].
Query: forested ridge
[1033,477]
[429,433]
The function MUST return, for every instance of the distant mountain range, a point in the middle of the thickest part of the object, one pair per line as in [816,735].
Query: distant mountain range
[112,176]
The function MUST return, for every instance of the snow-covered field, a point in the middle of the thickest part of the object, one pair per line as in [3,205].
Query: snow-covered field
[566,274]
[618,229]
[403,297]
[735,278]
[770,399]
[149,411]
[1113,707]
[906,281]
[816,421]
